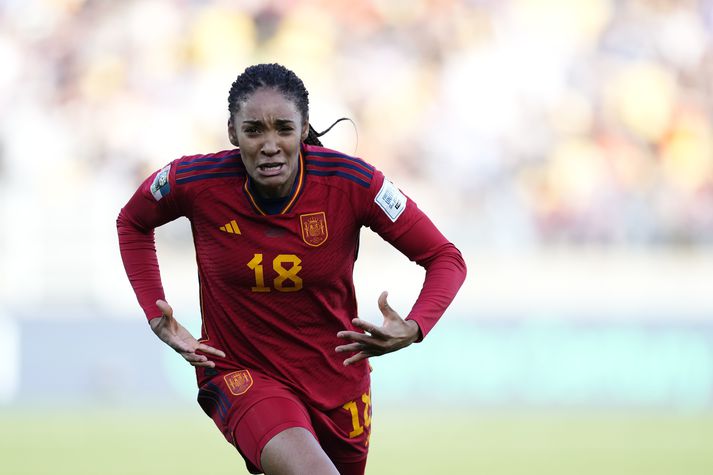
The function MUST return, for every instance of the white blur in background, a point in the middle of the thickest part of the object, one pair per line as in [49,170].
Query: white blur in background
[565,147]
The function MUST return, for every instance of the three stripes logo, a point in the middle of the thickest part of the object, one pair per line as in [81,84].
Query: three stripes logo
[231,228]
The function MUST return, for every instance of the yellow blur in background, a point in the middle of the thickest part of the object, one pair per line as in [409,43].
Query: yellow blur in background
[565,147]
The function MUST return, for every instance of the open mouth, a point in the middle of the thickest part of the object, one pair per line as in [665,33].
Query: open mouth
[269,166]
[270,169]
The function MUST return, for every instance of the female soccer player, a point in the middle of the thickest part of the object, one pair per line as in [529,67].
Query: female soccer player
[282,360]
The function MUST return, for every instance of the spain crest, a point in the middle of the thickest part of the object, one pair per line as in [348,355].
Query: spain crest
[239,381]
[314,228]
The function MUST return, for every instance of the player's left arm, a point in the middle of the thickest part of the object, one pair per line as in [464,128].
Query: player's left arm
[400,222]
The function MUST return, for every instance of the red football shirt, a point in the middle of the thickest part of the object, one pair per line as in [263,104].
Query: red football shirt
[276,288]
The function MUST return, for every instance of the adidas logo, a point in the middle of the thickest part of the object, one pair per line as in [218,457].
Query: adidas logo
[231,227]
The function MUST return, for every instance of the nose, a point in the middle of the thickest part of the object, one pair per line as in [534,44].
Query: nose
[269,146]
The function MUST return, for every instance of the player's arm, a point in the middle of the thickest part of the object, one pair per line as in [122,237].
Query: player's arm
[445,269]
[399,221]
[155,203]
[395,334]
[177,337]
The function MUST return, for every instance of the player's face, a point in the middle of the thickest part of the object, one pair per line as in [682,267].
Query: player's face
[269,128]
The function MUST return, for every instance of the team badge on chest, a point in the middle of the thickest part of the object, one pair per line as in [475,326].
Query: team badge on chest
[314,228]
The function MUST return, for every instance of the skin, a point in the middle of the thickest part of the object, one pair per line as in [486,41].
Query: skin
[295,451]
[269,130]
[177,337]
[395,334]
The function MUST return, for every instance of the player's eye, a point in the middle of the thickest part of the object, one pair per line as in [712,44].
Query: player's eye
[251,130]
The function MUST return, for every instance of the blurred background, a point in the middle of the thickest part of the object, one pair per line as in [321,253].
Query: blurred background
[565,147]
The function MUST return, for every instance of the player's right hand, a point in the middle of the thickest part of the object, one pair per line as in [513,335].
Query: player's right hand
[177,337]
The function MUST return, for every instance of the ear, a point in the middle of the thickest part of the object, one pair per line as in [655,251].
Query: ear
[232,135]
[305,130]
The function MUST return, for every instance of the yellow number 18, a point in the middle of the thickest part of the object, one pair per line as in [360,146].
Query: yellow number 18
[284,274]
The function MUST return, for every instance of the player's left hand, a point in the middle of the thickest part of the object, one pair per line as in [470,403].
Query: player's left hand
[395,334]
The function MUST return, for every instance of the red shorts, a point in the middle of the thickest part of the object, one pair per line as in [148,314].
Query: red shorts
[250,408]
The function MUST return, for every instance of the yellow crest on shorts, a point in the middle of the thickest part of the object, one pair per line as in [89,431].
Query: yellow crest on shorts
[314,228]
[238,381]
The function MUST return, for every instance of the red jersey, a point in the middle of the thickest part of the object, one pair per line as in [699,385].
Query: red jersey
[276,288]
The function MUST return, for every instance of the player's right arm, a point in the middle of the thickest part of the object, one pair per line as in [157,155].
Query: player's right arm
[153,204]
[156,202]
[177,337]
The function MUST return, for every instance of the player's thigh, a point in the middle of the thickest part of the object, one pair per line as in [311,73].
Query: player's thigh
[295,451]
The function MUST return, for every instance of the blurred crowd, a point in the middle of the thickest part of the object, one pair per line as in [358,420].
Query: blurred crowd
[523,122]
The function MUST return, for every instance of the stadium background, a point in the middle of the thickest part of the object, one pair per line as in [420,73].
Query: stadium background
[566,147]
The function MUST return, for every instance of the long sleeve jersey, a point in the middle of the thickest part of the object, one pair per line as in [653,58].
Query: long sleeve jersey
[275,288]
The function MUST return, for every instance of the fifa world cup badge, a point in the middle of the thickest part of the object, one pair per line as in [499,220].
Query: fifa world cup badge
[160,186]
[391,200]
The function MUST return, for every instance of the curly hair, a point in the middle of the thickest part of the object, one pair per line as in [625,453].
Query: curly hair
[275,76]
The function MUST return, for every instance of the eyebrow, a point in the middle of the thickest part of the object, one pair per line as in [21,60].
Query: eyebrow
[259,122]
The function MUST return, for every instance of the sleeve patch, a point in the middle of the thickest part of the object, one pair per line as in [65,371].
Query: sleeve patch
[391,200]
[160,186]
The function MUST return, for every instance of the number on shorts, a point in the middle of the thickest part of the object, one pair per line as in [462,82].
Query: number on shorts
[353,408]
